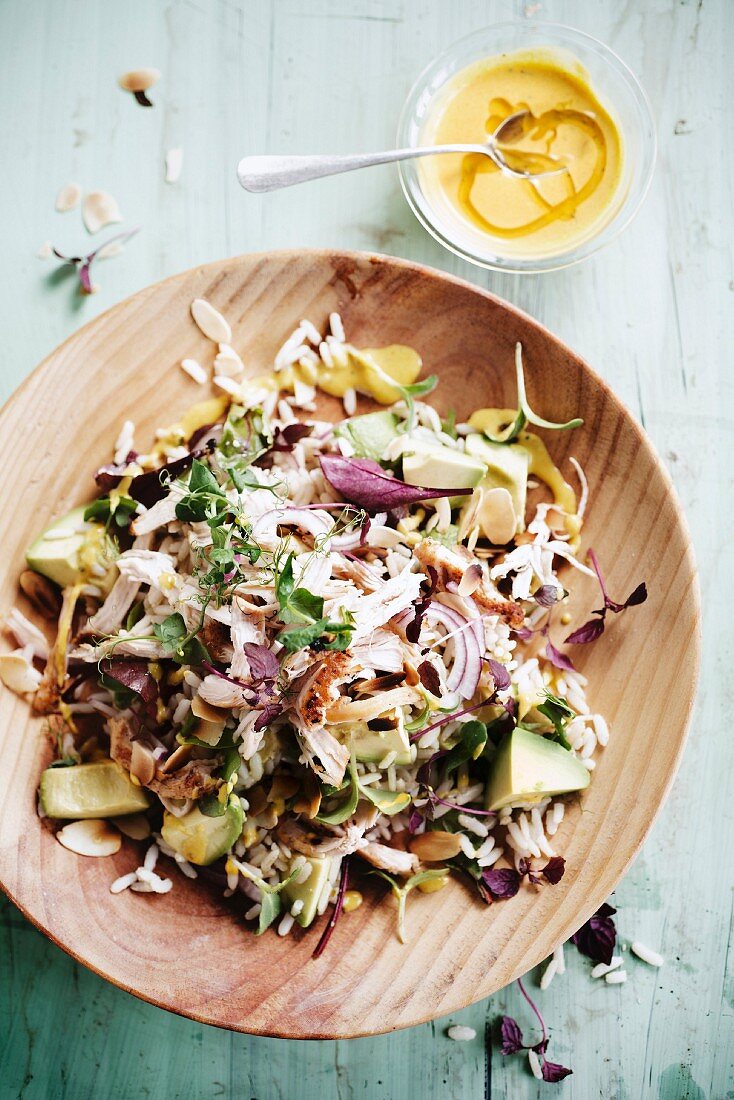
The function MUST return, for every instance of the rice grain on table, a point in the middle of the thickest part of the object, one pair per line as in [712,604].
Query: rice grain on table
[653,958]
[602,969]
[617,977]
[461,1034]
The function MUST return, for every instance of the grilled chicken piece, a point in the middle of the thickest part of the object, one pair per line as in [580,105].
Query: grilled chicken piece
[451,563]
[310,843]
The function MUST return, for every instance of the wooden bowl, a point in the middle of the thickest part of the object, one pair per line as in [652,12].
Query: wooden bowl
[187,951]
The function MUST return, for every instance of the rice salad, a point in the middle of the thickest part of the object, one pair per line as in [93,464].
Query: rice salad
[286,653]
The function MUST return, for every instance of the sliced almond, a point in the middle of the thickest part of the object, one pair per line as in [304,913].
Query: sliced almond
[107,251]
[46,251]
[142,762]
[177,758]
[68,197]
[139,80]
[42,594]
[174,164]
[471,580]
[135,826]
[201,709]
[228,362]
[99,209]
[93,837]
[433,847]
[496,516]
[209,732]
[211,322]
[283,786]
[18,674]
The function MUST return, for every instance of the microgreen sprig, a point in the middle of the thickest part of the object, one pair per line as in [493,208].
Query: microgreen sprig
[525,414]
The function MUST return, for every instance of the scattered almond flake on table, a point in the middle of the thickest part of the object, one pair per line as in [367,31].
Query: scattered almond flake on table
[92,837]
[228,362]
[46,251]
[194,370]
[68,197]
[210,321]
[99,209]
[107,251]
[461,1034]
[174,164]
[653,958]
[138,82]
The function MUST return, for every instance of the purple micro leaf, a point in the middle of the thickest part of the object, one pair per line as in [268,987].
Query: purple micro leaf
[420,605]
[558,659]
[524,633]
[503,883]
[109,476]
[415,821]
[547,595]
[142,98]
[589,632]
[338,905]
[267,714]
[552,1072]
[429,677]
[264,665]
[286,438]
[500,675]
[148,488]
[596,938]
[363,481]
[134,675]
[554,870]
[512,1040]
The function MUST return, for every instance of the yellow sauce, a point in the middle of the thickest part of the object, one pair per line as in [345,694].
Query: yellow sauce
[367,370]
[541,463]
[566,122]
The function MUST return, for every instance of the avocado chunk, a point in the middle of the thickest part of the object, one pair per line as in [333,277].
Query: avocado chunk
[309,891]
[441,467]
[67,551]
[103,789]
[372,742]
[201,839]
[507,468]
[370,434]
[528,766]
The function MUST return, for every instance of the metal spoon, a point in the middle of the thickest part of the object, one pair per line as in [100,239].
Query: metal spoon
[269,173]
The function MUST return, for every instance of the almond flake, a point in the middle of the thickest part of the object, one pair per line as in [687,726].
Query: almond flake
[68,197]
[92,837]
[210,321]
[139,80]
[99,209]
[18,674]
[46,251]
[135,826]
[174,164]
[107,251]
[194,370]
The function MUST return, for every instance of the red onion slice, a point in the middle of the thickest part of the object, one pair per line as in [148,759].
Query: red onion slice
[468,641]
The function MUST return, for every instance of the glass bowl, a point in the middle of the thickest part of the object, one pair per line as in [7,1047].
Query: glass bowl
[614,84]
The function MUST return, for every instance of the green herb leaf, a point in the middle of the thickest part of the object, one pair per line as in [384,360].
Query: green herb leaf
[270,908]
[473,736]
[182,645]
[558,712]
[103,510]
[401,892]
[525,414]
[347,808]
[134,615]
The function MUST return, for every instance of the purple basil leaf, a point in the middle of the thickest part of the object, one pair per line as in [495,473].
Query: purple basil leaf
[429,677]
[147,488]
[363,481]
[264,665]
[547,595]
[633,600]
[134,675]
[596,938]
[202,434]
[503,883]
[589,632]
[554,870]
[524,633]
[553,1072]
[512,1040]
[415,821]
[85,278]
[523,867]
[500,675]
[558,659]
[267,714]
[109,476]
[142,99]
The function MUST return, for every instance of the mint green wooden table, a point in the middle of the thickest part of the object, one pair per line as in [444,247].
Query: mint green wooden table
[652,314]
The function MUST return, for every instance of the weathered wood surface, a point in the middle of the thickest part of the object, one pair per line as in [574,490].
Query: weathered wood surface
[652,314]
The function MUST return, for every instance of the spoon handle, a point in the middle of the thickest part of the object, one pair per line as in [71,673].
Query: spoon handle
[268,173]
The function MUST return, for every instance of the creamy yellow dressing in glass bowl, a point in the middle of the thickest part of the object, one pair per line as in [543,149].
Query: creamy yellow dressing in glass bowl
[587,114]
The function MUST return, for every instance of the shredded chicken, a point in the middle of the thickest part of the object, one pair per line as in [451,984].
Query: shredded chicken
[393,860]
[310,843]
[110,616]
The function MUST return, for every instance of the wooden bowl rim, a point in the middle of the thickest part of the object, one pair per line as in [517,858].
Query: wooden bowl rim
[423,271]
